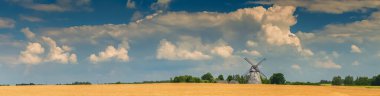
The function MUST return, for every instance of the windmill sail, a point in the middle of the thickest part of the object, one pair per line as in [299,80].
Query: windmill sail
[254,72]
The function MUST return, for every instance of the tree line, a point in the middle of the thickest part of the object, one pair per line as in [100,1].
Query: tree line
[358,81]
[276,78]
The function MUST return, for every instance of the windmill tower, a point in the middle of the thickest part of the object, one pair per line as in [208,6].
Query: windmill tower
[254,74]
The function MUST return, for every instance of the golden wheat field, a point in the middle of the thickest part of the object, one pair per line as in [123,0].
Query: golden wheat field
[171,89]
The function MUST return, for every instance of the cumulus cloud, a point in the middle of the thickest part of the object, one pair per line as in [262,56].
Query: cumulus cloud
[361,32]
[29,34]
[110,52]
[73,58]
[6,23]
[355,49]
[130,4]
[328,6]
[31,18]
[193,48]
[266,27]
[274,24]
[275,36]
[60,54]
[169,51]
[358,31]
[252,52]
[56,53]
[57,6]
[223,51]
[31,55]
[328,64]
[251,43]
[305,36]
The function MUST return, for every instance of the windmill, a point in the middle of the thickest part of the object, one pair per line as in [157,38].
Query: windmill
[254,74]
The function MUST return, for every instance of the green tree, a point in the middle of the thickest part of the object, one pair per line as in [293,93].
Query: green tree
[220,77]
[376,80]
[243,79]
[229,78]
[363,81]
[337,80]
[186,78]
[348,80]
[197,79]
[277,78]
[208,76]
[264,80]
[325,82]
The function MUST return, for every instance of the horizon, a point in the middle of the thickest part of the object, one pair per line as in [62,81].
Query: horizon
[63,41]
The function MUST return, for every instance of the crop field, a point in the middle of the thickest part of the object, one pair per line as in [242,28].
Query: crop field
[187,89]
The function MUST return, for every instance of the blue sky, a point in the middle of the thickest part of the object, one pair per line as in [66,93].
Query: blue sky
[61,41]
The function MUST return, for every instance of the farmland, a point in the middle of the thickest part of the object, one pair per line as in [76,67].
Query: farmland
[187,89]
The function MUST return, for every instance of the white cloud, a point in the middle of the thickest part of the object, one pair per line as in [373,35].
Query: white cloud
[328,6]
[31,18]
[278,18]
[296,67]
[252,52]
[251,43]
[169,51]
[306,52]
[137,15]
[358,31]
[73,58]
[29,34]
[57,6]
[66,48]
[328,64]
[56,53]
[130,4]
[192,48]
[275,36]
[305,36]
[223,51]
[6,23]
[120,53]
[267,27]
[355,49]
[160,5]
[31,54]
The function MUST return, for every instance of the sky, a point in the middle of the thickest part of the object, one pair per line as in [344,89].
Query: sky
[102,41]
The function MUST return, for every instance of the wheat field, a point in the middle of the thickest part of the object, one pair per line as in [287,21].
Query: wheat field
[186,89]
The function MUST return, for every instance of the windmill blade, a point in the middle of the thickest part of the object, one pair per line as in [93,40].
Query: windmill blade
[260,62]
[257,69]
[246,59]
[263,75]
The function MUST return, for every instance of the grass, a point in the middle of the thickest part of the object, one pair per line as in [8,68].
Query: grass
[372,87]
[325,84]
